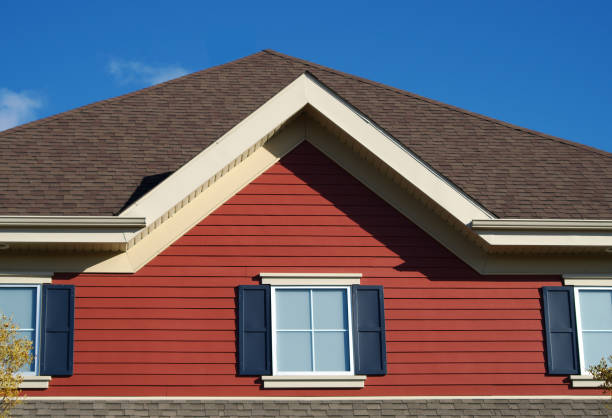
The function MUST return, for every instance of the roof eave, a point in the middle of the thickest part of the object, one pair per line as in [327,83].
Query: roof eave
[101,232]
[553,233]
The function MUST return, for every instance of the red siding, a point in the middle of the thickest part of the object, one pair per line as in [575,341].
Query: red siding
[169,329]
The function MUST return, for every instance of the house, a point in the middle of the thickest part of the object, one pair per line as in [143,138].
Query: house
[274,229]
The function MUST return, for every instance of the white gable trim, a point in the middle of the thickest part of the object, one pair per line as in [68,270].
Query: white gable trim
[104,231]
[305,90]
[348,155]
[149,225]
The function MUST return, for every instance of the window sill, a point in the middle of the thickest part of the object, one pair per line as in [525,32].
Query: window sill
[308,381]
[35,382]
[584,381]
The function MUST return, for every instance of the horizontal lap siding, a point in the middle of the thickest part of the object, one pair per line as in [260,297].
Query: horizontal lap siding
[169,330]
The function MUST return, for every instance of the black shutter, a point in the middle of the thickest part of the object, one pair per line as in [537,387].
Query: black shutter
[57,330]
[560,327]
[369,330]
[254,331]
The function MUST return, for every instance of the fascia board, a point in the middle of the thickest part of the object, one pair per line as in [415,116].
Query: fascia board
[68,229]
[543,224]
[544,232]
[102,222]
[395,155]
[222,152]
[307,90]
[72,236]
[302,91]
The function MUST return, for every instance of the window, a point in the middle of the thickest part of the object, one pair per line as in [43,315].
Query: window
[22,304]
[43,313]
[594,324]
[578,328]
[311,330]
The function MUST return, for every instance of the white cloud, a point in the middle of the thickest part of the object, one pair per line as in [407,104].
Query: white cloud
[136,72]
[16,108]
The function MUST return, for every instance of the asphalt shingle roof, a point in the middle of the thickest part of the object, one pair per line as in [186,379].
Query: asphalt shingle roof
[97,159]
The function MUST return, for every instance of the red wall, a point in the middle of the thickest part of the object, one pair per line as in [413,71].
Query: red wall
[169,330]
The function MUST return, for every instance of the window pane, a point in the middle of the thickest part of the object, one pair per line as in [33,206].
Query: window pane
[330,310]
[332,351]
[596,346]
[293,351]
[30,336]
[20,303]
[292,309]
[596,309]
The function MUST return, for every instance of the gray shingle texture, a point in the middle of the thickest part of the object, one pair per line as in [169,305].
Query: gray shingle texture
[96,159]
[336,408]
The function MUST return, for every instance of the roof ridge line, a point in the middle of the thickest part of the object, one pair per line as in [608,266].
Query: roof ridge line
[113,99]
[442,104]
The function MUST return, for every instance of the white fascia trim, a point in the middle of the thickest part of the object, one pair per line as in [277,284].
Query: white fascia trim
[305,90]
[218,155]
[544,232]
[302,382]
[25,278]
[393,153]
[310,279]
[543,224]
[603,280]
[102,222]
[69,229]
[35,382]
[584,381]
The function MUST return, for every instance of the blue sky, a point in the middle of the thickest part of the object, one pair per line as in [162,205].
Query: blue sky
[544,65]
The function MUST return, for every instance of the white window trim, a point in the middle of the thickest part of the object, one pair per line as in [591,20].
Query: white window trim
[37,324]
[351,371]
[310,279]
[21,278]
[583,371]
[309,381]
[301,381]
[35,382]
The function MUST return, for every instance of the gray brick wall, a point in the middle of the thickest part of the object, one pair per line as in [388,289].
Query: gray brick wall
[377,408]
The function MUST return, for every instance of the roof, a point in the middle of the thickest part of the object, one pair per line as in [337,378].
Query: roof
[98,159]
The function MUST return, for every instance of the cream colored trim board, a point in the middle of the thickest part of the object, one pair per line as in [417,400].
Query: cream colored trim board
[543,224]
[444,230]
[68,236]
[581,381]
[396,156]
[309,381]
[24,280]
[35,382]
[587,279]
[178,193]
[312,279]
[205,203]
[305,90]
[272,114]
[543,238]
[103,230]
[544,232]
[587,282]
[297,398]
[72,222]
[437,227]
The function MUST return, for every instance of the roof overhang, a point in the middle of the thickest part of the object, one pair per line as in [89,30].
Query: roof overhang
[154,209]
[551,233]
[104,232]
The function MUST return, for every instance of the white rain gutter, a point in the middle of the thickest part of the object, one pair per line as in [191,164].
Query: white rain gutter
[545,232]
[68,229]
